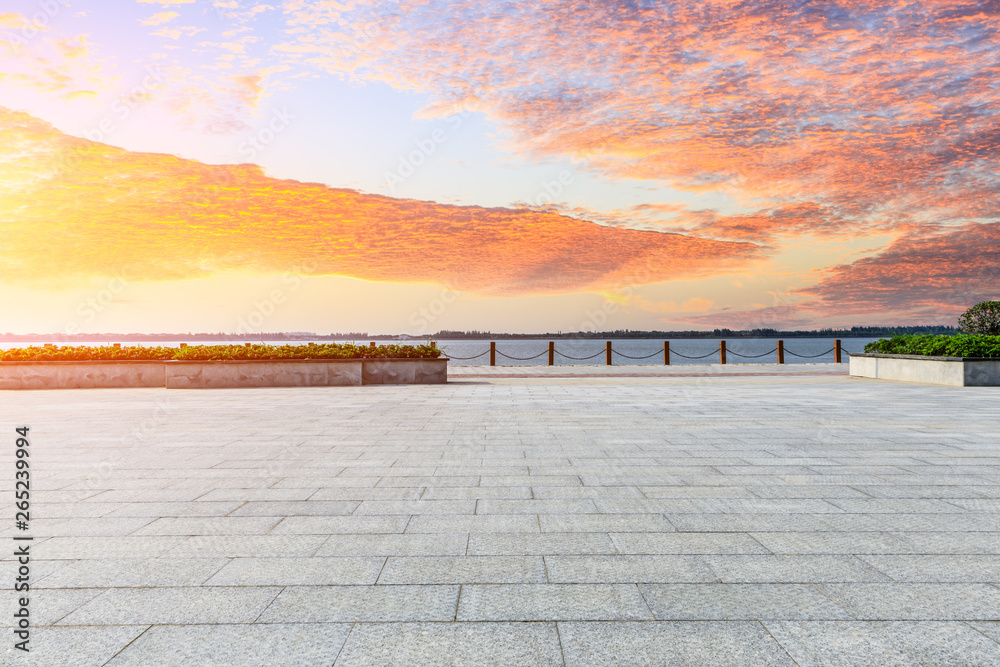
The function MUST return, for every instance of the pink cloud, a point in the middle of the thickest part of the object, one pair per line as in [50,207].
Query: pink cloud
[921,278]
[870,114]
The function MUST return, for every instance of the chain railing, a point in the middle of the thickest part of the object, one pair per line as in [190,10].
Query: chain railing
[758,356]
[811,356]
[597,354]
[481,354]
[521,358]
[667,352]
[648,356]
[684,356]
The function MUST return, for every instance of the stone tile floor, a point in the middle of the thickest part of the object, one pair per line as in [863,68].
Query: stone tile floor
[680,520]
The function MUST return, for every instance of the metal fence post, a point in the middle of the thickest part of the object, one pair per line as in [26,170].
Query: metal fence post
[666,353]
[722,351]
[493,353]
[552,353]
[607,353]
[781,351]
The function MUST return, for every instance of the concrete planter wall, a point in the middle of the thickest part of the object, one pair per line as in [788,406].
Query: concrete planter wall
[413,371]
[80,374]
[220,374]
[949,371]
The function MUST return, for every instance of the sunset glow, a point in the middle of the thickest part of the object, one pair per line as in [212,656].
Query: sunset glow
[698,164]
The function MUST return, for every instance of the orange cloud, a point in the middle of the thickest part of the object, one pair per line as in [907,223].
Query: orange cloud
[922,278]
[71,208]
[65,67]
[938,274]
[159,17]
[869,112]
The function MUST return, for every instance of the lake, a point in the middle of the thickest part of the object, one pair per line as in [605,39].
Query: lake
[704,348]
[651,348]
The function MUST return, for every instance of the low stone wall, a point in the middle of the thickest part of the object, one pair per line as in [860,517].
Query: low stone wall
[405,371]
[262,373]
[220,374]
[80,374]
[947,371]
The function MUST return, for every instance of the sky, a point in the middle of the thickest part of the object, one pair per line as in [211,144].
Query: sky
[532,166]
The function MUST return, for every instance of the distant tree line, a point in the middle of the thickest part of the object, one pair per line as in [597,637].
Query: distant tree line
[853,332]
[475,334]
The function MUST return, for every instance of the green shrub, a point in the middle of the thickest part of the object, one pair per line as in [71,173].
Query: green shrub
[310,351]
[983,319]
[219,352]
[960,345]
[87,353]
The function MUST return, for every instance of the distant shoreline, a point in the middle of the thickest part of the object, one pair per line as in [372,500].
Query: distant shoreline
[303,337]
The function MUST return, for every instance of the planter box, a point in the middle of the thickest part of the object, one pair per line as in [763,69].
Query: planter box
[80,374]
[405,371]
[262,373]
[220,374]
[948,371]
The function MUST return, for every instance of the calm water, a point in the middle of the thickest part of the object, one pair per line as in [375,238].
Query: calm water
[651,348]
[698,347]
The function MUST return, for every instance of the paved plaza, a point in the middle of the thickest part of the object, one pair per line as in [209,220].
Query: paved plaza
[682,520]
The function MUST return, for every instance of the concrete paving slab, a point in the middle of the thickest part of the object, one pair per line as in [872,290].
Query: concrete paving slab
[187,605]
[449,644]
[293,508]
[528,544]
[930,568]
[259,571]
[132,572]
[431,544]
[84,646]
[350,604]
[735,602]
[604,523]
[729,644]
[464,570]
[561,602]
[226,525]
[985,542]
[209,645]
[904,601]
[883,644]
[340,525]
[48,606]
[627,569]
[477,523]
[237,546]
[76,547]
[792,569]
[835,543]
[687,543]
